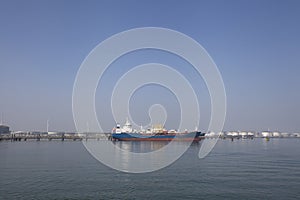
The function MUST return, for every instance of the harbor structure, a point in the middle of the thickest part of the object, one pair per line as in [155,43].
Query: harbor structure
[4,129]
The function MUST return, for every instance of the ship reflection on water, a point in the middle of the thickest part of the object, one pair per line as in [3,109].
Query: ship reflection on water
[138,156]
[140,146]
[147,146]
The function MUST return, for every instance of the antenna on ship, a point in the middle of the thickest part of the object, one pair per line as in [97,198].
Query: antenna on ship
[1,118]
[47,125]
[142,128]
[88,127]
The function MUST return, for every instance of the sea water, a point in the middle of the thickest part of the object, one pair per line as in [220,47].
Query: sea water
[239,169]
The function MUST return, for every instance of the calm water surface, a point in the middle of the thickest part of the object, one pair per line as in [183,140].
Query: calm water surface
[242,169]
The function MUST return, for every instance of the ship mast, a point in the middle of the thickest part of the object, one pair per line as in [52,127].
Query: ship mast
[47,125]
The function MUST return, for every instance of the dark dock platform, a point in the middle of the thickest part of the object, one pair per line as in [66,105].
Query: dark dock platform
[38,137]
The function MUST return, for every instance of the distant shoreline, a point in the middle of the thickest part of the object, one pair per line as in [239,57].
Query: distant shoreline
[38,136]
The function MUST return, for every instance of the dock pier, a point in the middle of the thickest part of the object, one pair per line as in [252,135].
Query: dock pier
[62,137]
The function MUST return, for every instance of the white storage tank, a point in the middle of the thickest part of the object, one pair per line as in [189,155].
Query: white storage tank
[276,134]
[266,134]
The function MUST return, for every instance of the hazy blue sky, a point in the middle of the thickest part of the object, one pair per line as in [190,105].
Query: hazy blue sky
[255,44]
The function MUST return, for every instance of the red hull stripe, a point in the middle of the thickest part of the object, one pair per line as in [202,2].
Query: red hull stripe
[158,139]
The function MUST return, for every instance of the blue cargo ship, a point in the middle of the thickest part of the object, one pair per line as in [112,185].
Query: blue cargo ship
[157,133]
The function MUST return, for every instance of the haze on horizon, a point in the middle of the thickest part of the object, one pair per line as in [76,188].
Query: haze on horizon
[255,45]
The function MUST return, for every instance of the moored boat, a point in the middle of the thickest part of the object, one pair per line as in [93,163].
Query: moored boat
[156,133]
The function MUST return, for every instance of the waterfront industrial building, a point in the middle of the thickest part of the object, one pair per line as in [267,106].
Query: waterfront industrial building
[4,129]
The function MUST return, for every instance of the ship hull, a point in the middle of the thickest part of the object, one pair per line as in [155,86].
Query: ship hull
[192,136]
